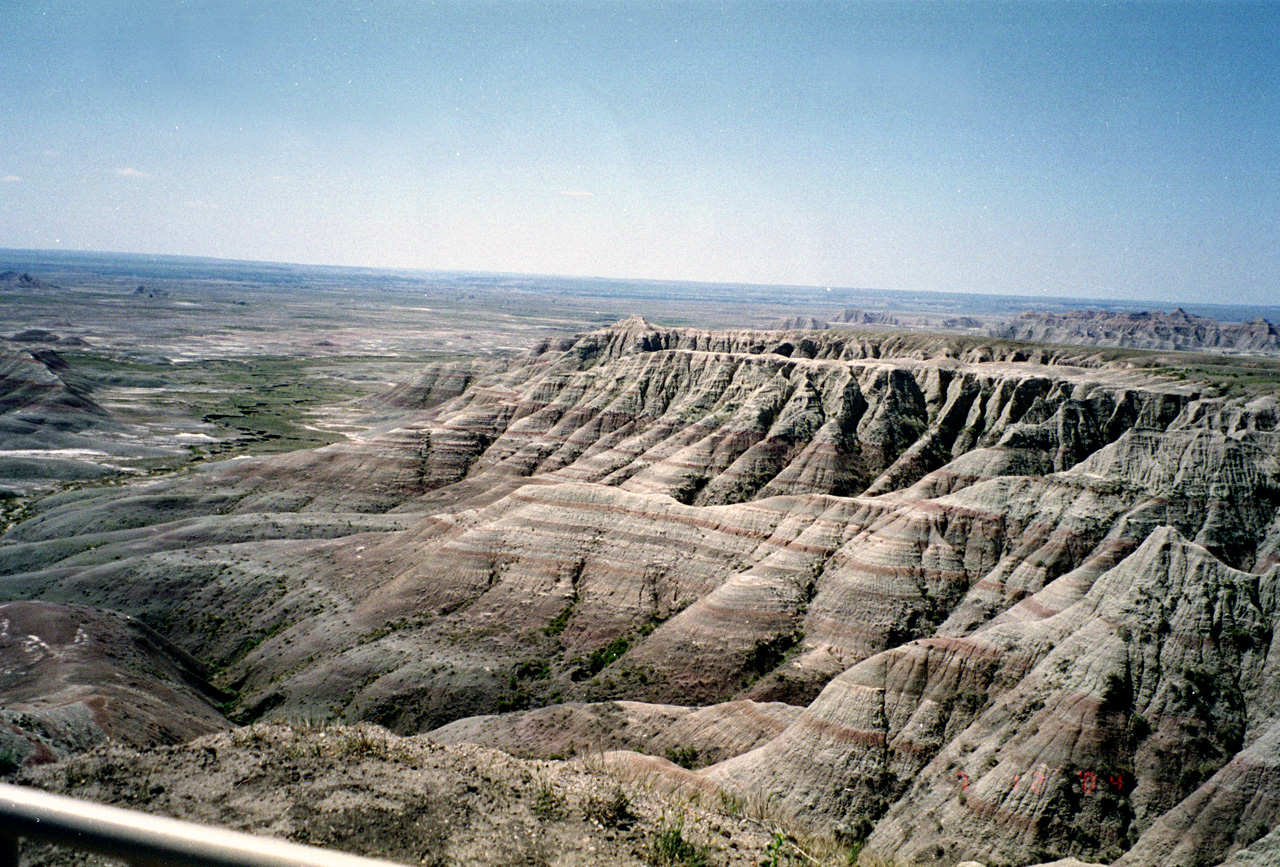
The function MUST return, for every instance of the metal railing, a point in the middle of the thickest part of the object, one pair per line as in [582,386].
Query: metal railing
[146,840]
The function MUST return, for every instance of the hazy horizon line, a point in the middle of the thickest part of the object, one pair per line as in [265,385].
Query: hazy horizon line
[1102,303]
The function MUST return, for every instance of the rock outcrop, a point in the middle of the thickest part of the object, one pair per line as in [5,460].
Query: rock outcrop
[1177,330]
[800,323]
[22,281]
[38,388]
[854,316]
[1069,726]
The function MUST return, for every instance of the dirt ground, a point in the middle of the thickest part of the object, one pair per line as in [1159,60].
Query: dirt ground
[363,790]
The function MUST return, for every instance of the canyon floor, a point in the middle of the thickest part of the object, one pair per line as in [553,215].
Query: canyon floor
[460,571]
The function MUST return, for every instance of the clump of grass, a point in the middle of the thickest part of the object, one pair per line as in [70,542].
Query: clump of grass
[609,810]
[254,736]
[360,743]
[731,805]
[548,804]
[669,848]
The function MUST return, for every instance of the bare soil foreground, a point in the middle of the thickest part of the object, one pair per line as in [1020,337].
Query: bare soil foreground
[638,593]
[363,790]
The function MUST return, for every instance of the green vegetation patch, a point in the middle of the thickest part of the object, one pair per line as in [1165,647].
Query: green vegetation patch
[264,403]
[561,620]
[669,848]
[1228,375]
[601,657]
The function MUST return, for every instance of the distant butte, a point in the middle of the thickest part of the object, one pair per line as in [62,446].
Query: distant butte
[150,292]
[15,280]
[1177,330]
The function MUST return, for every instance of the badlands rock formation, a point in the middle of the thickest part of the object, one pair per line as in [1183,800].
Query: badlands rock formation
[12,280]
[1175,330]
[73,677]
[51,427]
[37,387]
[950,599]
[854,316]
[45,409]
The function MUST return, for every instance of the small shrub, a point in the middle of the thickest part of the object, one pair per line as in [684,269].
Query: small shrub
[768,655]
[519,700]
[531,669]
[1231,735]
[10,761]
[776,855]
[561,620]
[603,656]
[685,757]
[1116,693]
[1191,777]
[853,833]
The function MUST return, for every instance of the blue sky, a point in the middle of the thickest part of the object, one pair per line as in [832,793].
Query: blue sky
[1127,150]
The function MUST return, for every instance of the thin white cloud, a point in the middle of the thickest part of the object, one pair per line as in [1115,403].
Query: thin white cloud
[581,194]
[11,179]
[131,172]
[202,205]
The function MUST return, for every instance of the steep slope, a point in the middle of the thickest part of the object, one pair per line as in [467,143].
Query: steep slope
[1065,727]
[73,677]
[722,461]
[38,389]
[51,428]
